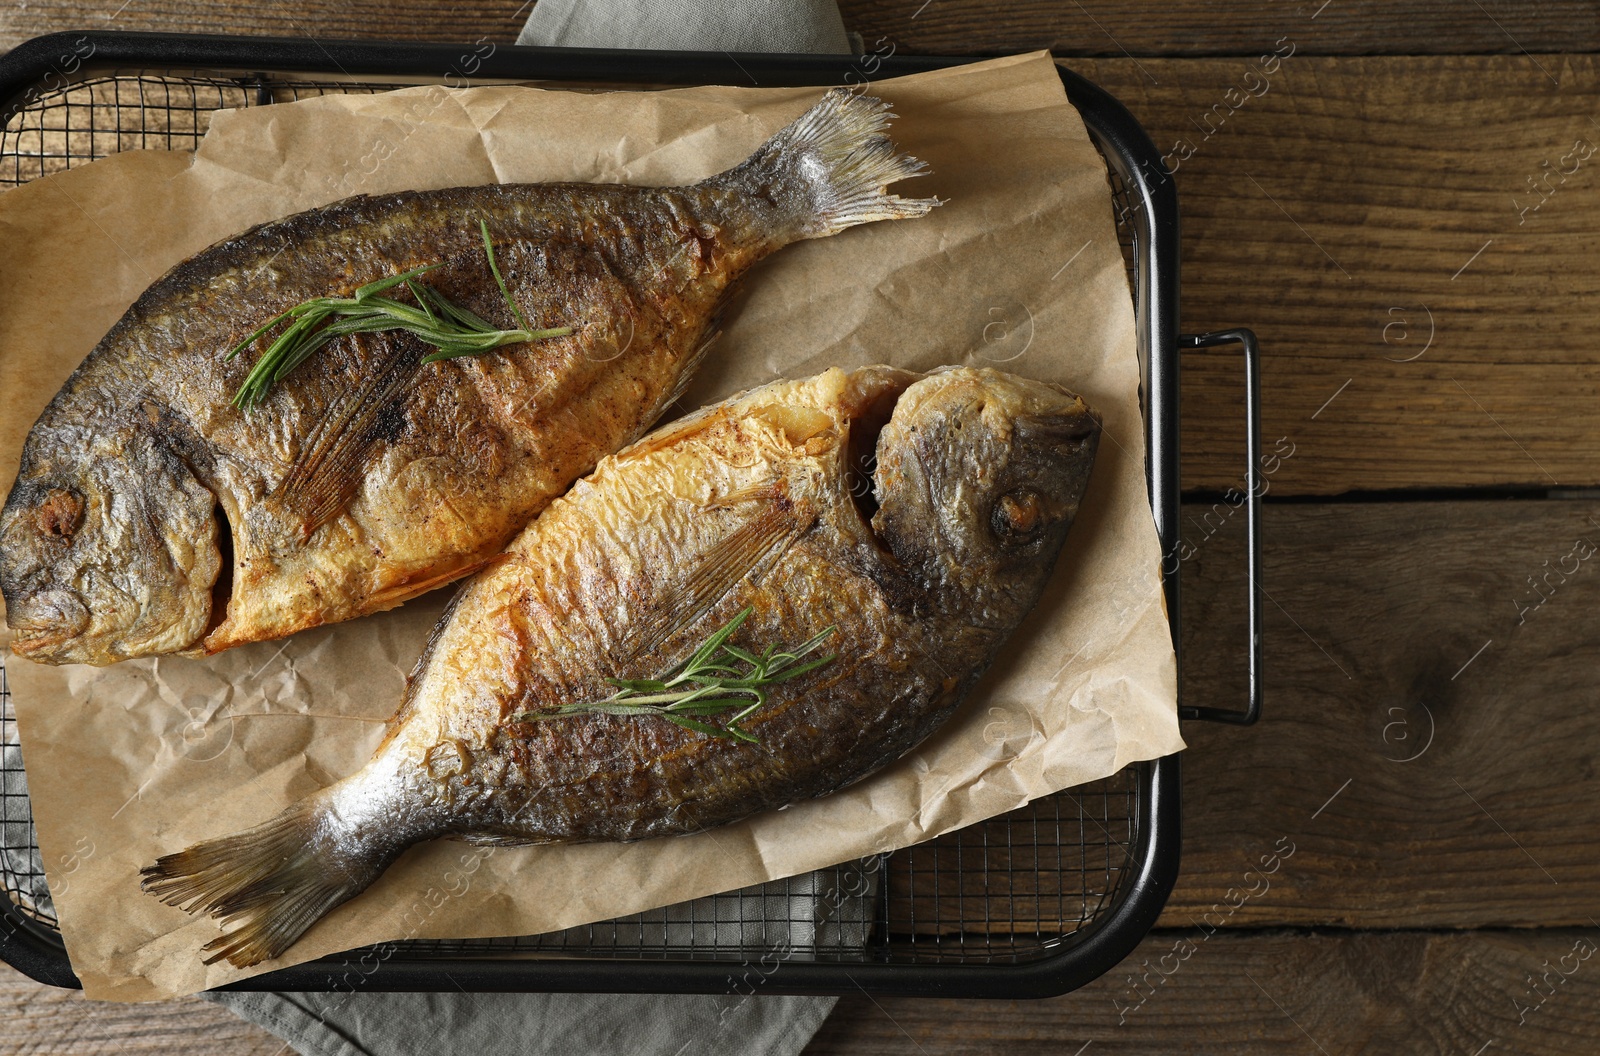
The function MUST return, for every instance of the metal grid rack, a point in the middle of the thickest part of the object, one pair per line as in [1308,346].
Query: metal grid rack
[1015,889]
[95,118]
[20,868]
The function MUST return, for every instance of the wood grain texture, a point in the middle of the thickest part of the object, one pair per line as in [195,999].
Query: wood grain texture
[1110,27]
[1362,216]
[43,1020]
[1395,632]
[460,20]
[1097,27]
[1271,994]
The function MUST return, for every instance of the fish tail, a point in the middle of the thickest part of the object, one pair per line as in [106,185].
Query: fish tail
[270,883]
[830,168]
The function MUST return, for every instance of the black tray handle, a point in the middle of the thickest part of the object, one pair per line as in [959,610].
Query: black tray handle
[1252,477]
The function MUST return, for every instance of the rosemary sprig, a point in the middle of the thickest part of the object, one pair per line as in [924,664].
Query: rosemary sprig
[710,682]
[451,329]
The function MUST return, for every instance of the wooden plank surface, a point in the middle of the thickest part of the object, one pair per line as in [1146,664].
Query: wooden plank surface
[1232,992]
[1096,27]
[459,20]
[1272,994]
[40,1020]
[1115,28]
[1396,632]
[1362,216]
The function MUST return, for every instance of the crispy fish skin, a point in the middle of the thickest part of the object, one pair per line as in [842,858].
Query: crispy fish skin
[752,504]
[367,477]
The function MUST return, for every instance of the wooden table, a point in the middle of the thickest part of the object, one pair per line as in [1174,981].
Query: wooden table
[1407,215]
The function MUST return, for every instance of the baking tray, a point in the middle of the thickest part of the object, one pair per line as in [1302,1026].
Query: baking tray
[1033,903]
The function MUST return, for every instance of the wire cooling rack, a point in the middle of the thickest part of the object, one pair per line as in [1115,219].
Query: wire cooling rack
[1014,889]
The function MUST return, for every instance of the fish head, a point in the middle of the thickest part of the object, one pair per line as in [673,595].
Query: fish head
[108,547]
[979,475]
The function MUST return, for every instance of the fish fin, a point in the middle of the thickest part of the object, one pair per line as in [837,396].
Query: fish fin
[673,432]
[833,164]
[483,840]
[330,467]
[760,492]
[271,883]
[746,550]
[399,593]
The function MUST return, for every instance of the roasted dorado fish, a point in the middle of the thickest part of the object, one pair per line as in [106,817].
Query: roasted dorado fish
[151,515]
[904,524]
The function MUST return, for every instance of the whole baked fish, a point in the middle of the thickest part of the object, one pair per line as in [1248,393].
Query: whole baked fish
[757,517]
[151,515]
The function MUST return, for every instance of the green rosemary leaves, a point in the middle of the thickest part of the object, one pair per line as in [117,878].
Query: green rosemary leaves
[451,329]
[717,679]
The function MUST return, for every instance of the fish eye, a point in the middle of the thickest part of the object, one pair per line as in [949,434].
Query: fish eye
[60,514]
[1018,516]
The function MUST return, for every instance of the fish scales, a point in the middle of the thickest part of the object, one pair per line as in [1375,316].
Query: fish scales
[917,516]
[367,477]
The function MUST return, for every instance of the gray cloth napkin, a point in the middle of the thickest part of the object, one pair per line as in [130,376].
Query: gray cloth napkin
[570,1024]
[689,25]
[792,920]
[797,917]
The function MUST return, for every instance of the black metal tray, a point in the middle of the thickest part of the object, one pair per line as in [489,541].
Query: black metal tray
[1034,903]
